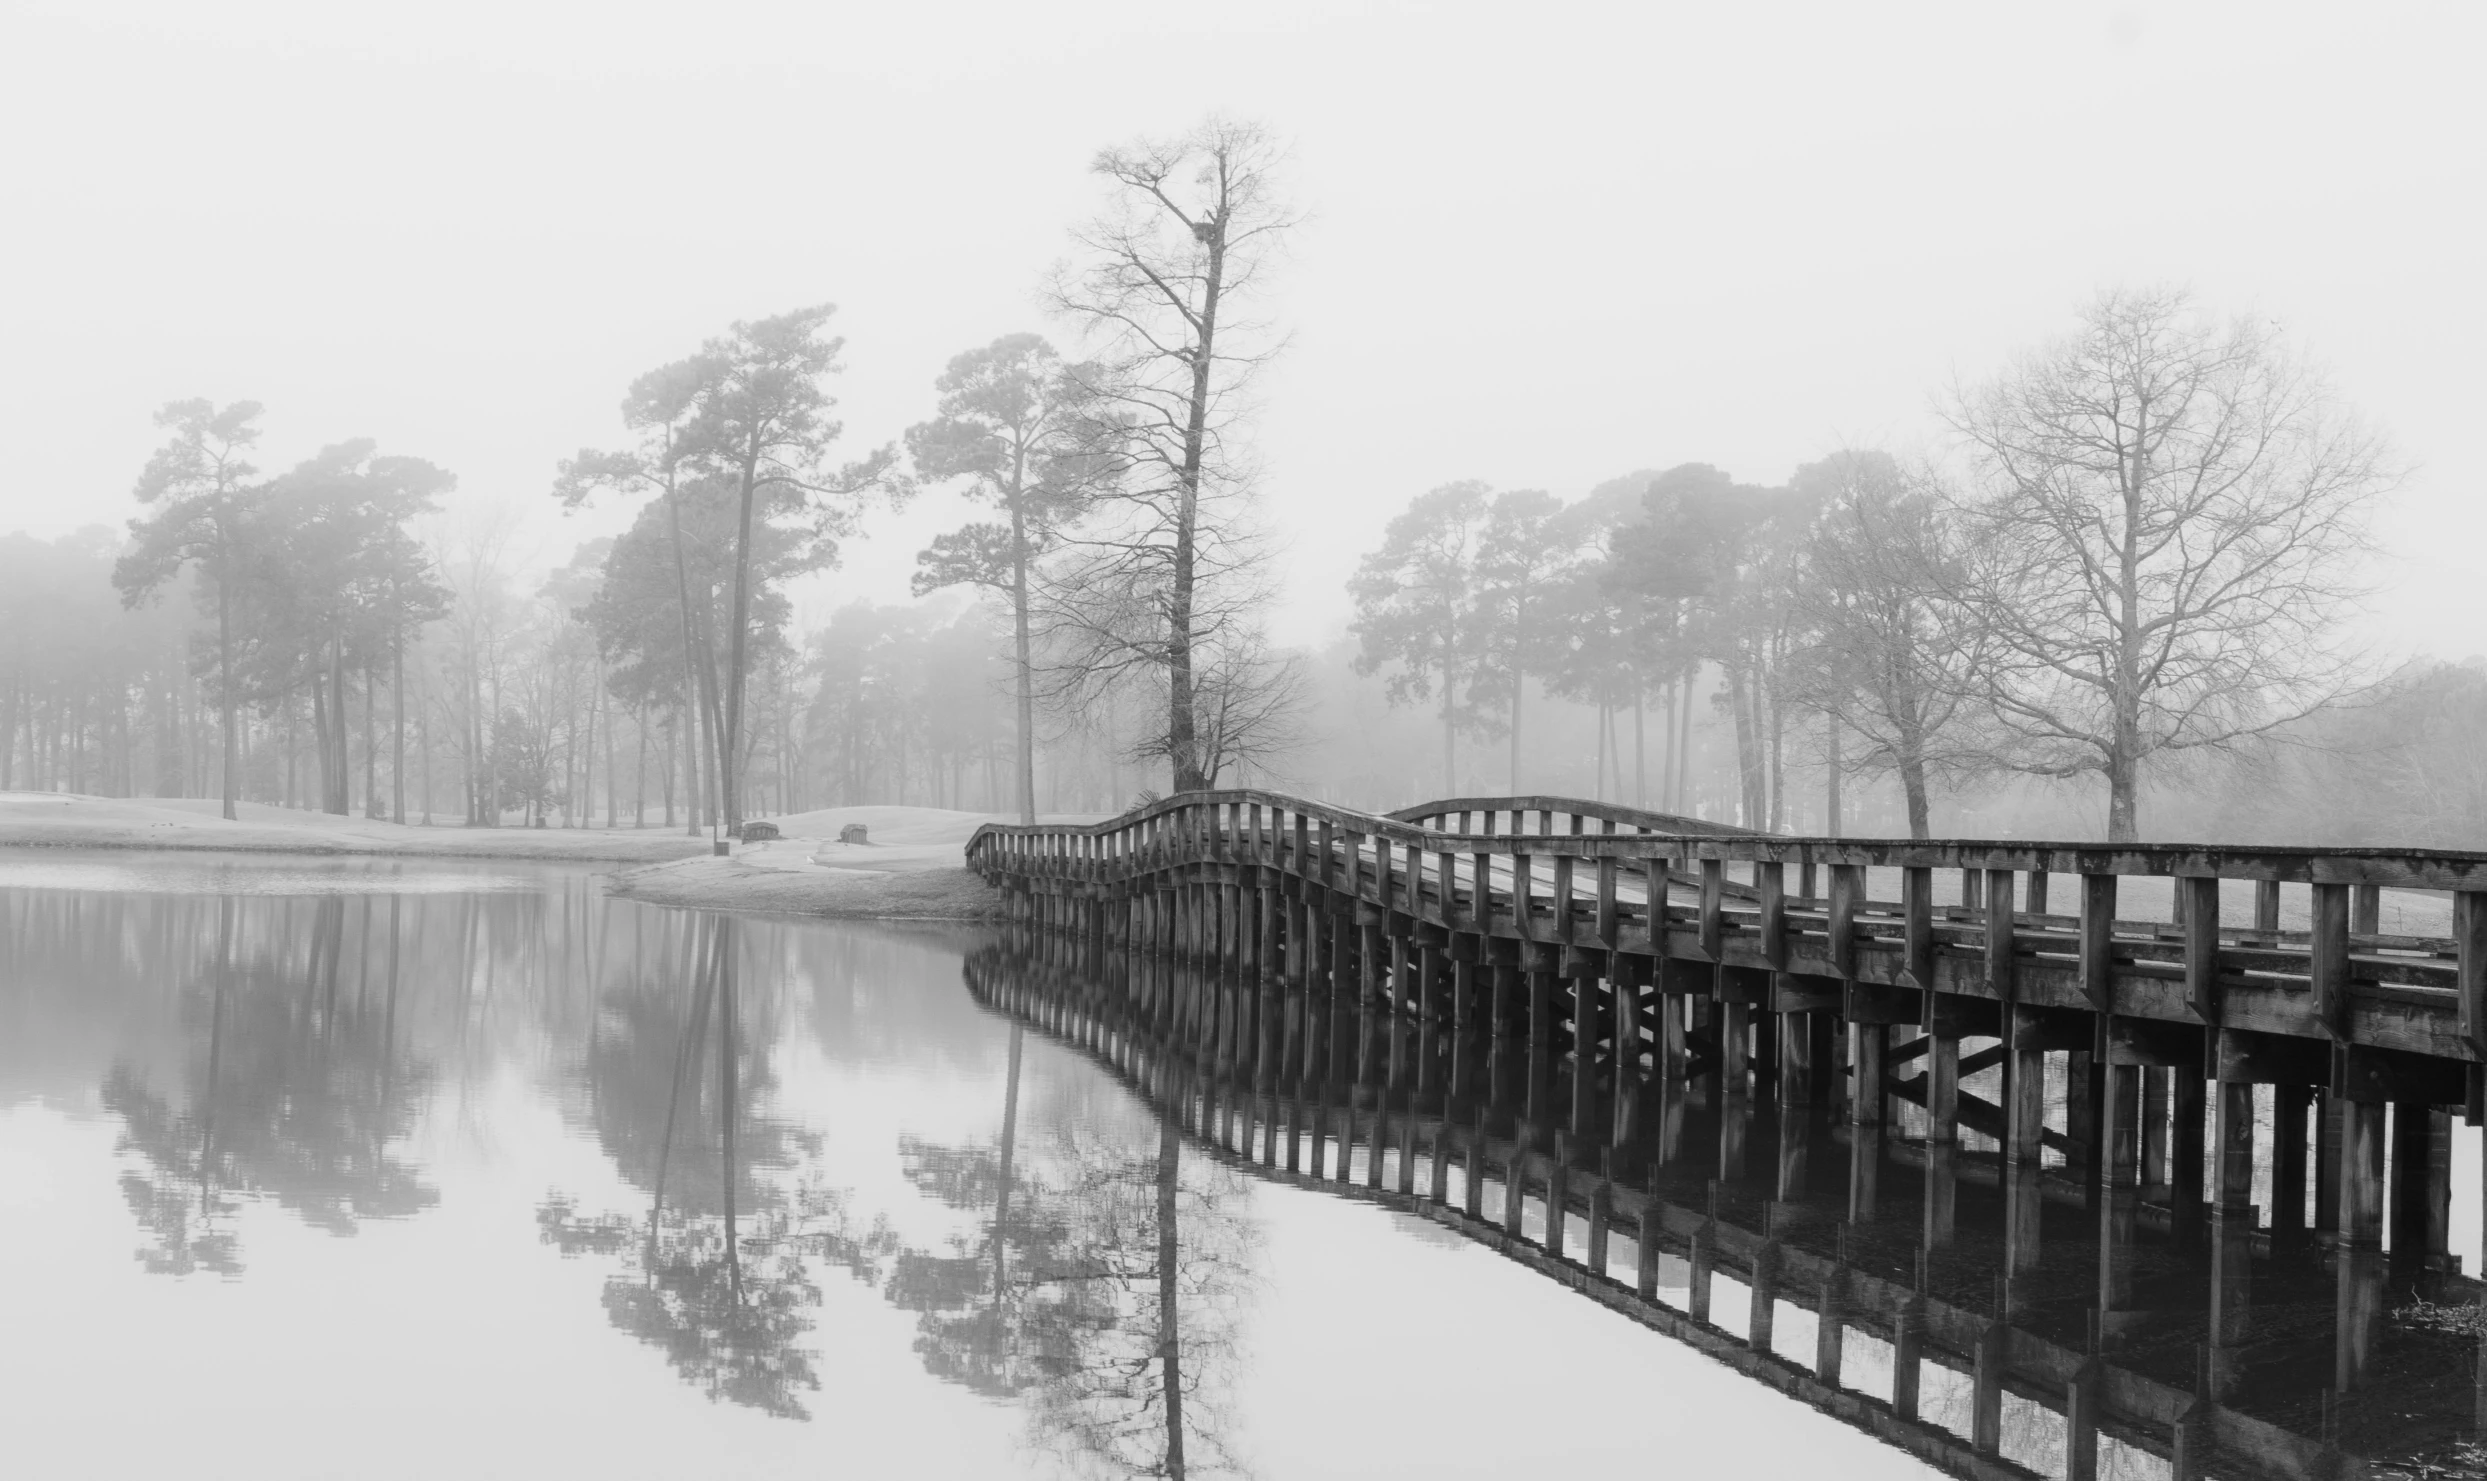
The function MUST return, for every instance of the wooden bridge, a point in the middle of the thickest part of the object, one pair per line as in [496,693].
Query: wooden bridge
[2152,1165]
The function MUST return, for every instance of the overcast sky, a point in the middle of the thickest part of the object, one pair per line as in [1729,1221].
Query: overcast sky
[1547,244]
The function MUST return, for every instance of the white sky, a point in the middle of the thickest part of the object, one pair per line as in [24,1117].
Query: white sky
[1549,244]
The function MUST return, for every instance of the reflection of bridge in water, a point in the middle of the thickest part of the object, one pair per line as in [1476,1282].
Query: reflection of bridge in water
[2137,1196]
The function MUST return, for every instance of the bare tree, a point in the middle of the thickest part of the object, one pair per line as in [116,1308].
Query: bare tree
[1180,249]
[2170,522]
[1878,659]
[1250,702]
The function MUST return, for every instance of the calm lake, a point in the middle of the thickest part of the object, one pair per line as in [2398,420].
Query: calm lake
[379,1170]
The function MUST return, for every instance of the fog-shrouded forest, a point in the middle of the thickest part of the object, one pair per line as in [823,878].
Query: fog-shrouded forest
[2110,588]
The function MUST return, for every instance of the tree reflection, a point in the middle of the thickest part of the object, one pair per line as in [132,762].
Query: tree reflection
[293,1095]
[713,1277]
[1106,1286]
[1015,1309]
[1149,1393]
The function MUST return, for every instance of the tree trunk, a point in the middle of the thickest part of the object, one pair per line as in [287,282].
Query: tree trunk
[1169,1316]
[1182,735]
[1640,751]
[224,680]
[726,762]
[1764,694]
[1684,746]
[319,729]
[1010,1141]
[612,771]
[2123,810]
[699,669]
[1831,800]
[397,723]
[1025,656]
[1519,683]
[1597,791]
[371,740]
[1912,759]
[1748,748]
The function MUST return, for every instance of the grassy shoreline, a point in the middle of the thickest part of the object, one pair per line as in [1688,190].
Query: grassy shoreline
[912,869]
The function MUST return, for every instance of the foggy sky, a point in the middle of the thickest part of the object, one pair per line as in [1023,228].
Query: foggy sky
[1548,244]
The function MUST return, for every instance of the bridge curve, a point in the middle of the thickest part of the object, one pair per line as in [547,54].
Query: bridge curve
[2219,1042]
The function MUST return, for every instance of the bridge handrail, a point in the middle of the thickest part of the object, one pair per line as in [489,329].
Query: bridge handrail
[1575,807]
[2460,871]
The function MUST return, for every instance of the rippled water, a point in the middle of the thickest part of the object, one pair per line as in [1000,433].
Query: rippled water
[387,1170]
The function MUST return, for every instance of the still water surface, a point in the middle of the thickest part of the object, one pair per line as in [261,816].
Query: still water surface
[397,1170]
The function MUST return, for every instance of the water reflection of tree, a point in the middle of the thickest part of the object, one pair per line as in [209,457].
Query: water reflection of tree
[1150,1393]
[713,1276]
[1105,1284]
[295,1092]
[1015,1307]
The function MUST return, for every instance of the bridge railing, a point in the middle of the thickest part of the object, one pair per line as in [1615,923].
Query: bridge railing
[1579,874]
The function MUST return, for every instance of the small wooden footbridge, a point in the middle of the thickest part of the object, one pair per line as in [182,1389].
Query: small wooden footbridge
[2163,1177]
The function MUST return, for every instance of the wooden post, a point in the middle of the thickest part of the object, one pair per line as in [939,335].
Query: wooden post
[1908,1331]
[2328,957]
[1795,1060]
[1917,940]
[1601,1218]
[1943,1089]
[1986,1402]
[2289,1106]
[2421,1199]
[1867,1046]
[1763,1324]
[2188,1108]
[1770,879]
[2232,1219]
[2098,919]
[2202,990]
[2000,978]
[1829,1321]
[2360,1224]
